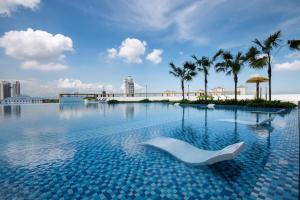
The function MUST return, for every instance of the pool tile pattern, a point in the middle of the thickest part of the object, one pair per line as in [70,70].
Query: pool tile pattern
[280,179]
[114,166]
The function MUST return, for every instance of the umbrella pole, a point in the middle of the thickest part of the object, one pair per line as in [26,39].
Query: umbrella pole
[257,90]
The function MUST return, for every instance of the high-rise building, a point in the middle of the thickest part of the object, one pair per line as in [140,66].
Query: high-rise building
[5,90]
[129,86]
[16,89]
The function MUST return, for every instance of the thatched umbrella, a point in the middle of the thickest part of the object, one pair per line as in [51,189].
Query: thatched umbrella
[257,79]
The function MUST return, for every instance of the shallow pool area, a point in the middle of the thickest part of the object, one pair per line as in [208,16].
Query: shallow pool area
[92,151]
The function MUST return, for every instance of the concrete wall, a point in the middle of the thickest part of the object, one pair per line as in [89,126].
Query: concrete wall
[282,97]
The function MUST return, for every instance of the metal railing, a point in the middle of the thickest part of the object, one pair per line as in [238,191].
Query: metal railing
[150,94]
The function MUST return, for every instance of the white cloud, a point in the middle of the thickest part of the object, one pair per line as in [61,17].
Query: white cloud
[195,21]
[288,66]
[289,23]
[8,6]
[35,87]
[132,49]
[36,46]
[254,75]
[155,56]
[112,53]
[76,84]
[32,64]
[294,55]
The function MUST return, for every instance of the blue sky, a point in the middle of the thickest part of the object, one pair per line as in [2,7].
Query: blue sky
[54,46]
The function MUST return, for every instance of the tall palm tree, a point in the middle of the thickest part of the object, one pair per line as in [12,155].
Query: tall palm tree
[231,65]
[185,73]
[294,44]
[260,55]
[204,65]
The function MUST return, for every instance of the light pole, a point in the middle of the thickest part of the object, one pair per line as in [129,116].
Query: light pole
[146,92]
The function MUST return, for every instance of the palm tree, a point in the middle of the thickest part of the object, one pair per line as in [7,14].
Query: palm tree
[185,73]
[260,55]
[231,65]
[204,65]
[294,44]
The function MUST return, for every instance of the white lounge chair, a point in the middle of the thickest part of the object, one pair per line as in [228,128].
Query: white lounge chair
[265,112]
[261,123]
[193,155]
[211,106]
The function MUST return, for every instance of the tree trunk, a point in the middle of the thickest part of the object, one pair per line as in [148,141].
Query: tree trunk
[270,77]
[235,87]
[182,89]
[205,85]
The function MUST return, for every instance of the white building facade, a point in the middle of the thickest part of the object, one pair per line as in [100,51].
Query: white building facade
[129,86]
[23,99]
[241,90]
[218,91]
[5,89]
[16,89]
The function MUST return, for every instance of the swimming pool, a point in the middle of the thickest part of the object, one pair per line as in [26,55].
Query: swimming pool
[75,151]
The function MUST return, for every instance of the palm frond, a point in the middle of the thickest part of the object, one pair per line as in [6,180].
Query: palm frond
[258,63]
[228,72]
[189,71]
[176,71]
[257,42]
[294,44]
[252,53]
[220,67]
[272,41]
[195,58]
[220,52]
[174,74]
[227,55]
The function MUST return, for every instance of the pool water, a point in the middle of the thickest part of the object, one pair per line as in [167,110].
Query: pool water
[92,151]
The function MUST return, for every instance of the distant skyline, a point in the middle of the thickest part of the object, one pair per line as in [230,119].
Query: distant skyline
[67,46]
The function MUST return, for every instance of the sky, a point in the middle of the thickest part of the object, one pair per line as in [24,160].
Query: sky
[55,46]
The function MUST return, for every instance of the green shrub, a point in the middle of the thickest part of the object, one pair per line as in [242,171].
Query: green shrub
[50,100]
[89,98]
[185,101]
[112,101]
[249,103]
[144,101]
[270,104]
[162,101]
[202,98]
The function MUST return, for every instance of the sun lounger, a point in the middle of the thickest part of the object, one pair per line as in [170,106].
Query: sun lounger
[211,106]
[261,123]
[193,155]
[265,112]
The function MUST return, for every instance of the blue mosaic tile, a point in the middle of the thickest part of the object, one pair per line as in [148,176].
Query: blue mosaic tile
[107,162]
